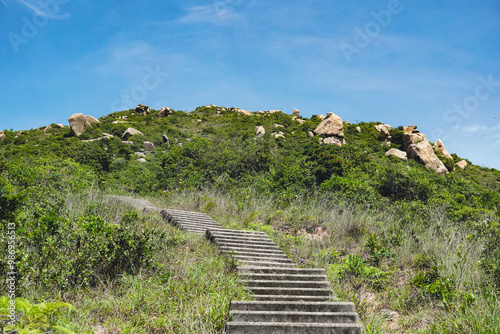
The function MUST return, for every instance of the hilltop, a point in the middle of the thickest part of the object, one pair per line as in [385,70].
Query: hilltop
[406,230]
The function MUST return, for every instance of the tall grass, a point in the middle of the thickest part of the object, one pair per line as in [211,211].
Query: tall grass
[317,232]
[188,290]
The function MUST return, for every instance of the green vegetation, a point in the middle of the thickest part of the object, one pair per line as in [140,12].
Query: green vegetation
[415,251]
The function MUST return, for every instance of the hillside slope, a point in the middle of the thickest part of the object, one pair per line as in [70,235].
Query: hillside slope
[414,249]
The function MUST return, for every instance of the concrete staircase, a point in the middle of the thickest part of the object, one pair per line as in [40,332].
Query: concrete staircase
[288,299]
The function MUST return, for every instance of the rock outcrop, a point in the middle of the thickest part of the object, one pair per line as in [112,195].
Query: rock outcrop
[164,112]
[131,132]
[358,129]
[439,147]
[413,138]
[301,121]
[296,113]
[278,134]
[397,153]
[2,136]
[423,153]
[80,122]
[462,164]
[334,141]
[142,109]
[260,131]
[149,146]
[409,128]
[241,111]
[332,127]
[383,130]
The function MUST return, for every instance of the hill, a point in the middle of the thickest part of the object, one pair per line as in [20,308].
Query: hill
[415,243]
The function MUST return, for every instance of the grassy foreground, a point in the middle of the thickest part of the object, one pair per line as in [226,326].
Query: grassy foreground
[186,287]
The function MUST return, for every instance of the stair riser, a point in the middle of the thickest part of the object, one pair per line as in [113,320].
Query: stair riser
[291,306]
[257,254]
[254,241]
[290,291]
[248,245]
[288,328]
[273,277]
[240,232]
[284,284]
[263,259]
[294,271]
[241,249]
[280,298]
[329,318]
[267,264]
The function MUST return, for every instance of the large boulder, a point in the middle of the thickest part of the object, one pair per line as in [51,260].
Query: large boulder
[462,164]
[241,111]
[164,112]
[383,130]
[334,141]
[397,153]
[2,136]
[80,122]
[439,146]
[149,146]
[131,132]
[410,129]
[332,125]
[423,153]
[413,138]
[142,109]
[260,131]
[296,112]
[278,134]
[301,121]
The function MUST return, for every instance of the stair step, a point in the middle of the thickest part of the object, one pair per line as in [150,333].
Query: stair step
[234,327]
[244,249]
[294,316]
[290,298]
[258,254]
[248,240]
[290,291]
[242,305]
[287,284]
[244,234]
[247,245]
[293,271]
[195,225]
[228,231]
[285,277]
[267,264]
[262,258]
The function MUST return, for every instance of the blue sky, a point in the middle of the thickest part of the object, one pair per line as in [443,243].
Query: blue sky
[435,64]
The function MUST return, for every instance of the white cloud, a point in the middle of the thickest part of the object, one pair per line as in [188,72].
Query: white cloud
[217,12]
